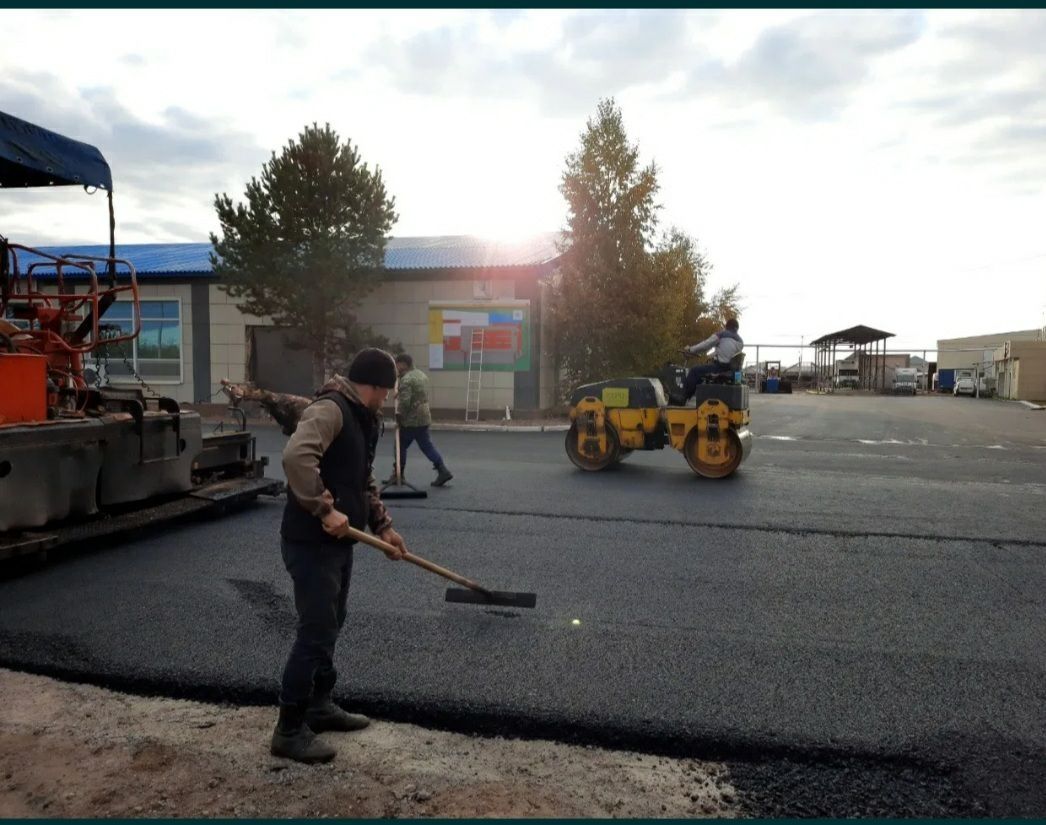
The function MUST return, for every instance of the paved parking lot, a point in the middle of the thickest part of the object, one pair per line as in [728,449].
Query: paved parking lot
[855,621]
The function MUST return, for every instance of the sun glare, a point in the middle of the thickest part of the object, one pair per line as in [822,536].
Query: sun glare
[509,229]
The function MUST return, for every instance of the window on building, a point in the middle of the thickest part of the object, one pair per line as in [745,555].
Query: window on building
[9,316]
[156,355]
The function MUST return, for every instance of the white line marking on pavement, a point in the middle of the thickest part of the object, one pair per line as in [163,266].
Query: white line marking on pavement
[919,442]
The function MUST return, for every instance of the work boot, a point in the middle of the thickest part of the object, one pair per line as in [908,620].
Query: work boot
[393,480]
[323,715]
[443,475]
[294,739]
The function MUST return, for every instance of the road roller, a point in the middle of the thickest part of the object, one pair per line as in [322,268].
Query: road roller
[611,419]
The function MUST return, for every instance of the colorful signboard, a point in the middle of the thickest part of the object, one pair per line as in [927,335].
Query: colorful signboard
[502,329]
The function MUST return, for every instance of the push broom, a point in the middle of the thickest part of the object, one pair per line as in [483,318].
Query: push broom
[472,594]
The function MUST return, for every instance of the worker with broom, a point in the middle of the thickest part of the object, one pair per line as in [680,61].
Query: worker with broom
[414,418]
[329,463]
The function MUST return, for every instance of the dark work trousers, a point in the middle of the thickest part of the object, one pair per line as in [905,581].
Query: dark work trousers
[321,574]
[695,375]
[408,435]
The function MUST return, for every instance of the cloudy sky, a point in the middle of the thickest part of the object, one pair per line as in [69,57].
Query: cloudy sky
[843,167]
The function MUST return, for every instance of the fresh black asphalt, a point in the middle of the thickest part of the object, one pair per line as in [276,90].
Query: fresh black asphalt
[855,622]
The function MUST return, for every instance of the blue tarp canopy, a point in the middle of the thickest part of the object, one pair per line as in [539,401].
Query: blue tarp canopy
[32,156]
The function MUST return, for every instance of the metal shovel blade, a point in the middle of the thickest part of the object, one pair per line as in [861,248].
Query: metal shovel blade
[496,598]
[403,491]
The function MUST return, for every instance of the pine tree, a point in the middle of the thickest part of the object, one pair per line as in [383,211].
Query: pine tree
[611,220]
[309,244]
[624,302]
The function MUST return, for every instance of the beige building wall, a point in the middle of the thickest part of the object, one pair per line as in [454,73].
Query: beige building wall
[229,337]
[400,311]
[963,353]
[1021,370]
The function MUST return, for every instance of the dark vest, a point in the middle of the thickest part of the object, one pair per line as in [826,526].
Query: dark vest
[345,469]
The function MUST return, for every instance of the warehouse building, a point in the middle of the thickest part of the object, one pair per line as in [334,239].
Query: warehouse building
[454,302]
[1020,370]
[1013,364]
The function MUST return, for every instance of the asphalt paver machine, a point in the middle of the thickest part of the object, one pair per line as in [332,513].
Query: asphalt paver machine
[80,457]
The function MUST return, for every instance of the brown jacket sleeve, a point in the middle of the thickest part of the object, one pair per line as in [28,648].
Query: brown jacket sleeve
[319,425]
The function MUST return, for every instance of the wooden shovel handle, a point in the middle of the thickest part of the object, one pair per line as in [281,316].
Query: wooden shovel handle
[396,414]
[374,541]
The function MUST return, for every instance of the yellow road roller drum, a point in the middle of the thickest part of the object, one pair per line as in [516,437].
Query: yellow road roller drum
[610,419]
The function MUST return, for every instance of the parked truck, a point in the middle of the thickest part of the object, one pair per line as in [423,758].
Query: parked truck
[904,380]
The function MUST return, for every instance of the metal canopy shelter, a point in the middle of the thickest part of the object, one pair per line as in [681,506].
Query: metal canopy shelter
[870,346]
[33,156]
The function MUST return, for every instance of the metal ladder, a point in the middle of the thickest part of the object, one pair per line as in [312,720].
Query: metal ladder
[475,376]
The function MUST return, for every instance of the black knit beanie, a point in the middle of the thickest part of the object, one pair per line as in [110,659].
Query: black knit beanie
[375,367]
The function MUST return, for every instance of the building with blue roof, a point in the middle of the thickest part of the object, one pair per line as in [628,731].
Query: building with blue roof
[442,298]
[154,261]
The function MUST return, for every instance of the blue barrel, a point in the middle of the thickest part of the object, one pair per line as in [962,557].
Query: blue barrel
[773,384]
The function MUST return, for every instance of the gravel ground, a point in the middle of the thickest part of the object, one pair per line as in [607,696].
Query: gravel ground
[69,750]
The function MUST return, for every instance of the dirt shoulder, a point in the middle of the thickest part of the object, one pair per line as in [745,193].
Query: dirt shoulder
[69,750]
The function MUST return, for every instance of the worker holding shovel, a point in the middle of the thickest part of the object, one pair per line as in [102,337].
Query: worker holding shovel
[329,462]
